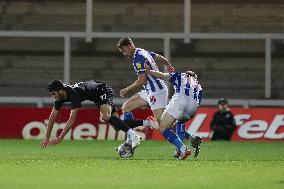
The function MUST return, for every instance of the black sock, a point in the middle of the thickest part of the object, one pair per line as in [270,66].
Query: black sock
[132,123]
[118,124]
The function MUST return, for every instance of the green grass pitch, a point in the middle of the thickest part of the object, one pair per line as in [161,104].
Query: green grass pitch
[95,164]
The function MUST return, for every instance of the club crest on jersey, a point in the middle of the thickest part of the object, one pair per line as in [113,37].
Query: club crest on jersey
[139,65]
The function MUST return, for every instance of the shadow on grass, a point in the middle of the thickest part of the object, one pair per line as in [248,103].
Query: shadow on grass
[280,182]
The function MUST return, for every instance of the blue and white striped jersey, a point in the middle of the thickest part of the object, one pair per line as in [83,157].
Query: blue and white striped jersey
[142,58]
[186,85]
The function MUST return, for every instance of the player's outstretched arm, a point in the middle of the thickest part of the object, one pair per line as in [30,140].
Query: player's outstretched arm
[164,76]
[70,122]
[142,79]
[50,124]
[162,60]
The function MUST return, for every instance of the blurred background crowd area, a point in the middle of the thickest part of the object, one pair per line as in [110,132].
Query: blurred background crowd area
[226,67]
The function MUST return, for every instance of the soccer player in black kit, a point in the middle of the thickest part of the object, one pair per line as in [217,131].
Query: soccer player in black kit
[101,94]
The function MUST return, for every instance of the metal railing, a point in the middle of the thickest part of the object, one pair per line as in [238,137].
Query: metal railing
[47,101]
[186,35]
[67,36]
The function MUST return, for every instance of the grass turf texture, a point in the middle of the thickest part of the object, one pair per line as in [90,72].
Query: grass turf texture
[95,164]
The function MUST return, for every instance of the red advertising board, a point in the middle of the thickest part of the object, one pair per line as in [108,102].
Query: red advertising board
[252,123]
[260,124]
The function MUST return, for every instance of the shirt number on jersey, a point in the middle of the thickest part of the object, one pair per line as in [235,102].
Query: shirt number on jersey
[103,97]
[153,99]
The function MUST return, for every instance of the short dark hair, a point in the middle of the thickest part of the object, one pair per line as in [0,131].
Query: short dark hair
[124,42]
[192,74]
[55,85]
[222,100]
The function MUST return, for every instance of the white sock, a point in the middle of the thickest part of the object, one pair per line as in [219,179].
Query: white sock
[183,148]
[146,122]
[130,133]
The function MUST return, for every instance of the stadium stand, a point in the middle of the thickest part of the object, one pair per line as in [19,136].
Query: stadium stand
[233,68]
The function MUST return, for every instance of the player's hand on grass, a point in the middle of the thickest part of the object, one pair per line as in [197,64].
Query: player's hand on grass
[55,141]
[45,142]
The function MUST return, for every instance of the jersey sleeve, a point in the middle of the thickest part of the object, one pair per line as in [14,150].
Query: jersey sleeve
[200,94]
[74,98]
[139,64]
[58,104]
[153,54]
[173,77]
[75,101]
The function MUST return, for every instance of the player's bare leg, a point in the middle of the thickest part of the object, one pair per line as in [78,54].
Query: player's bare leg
[136,101]
[158,114]
[106,111]
[119,125]
[195,141]
[166,123]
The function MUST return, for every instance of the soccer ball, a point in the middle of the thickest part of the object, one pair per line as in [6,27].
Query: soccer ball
[125,150]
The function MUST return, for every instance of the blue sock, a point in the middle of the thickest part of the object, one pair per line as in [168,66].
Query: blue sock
[182,133]
[172,138]
[180,130]
[128,116]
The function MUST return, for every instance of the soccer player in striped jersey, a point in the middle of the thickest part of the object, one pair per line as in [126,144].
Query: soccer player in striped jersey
[182,107]
[155,92]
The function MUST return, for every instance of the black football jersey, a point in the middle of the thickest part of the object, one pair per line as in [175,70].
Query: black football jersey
[79,92]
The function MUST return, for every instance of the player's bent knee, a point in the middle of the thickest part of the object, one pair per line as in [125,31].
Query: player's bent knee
[123,107]
[162,127]
[126,107]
